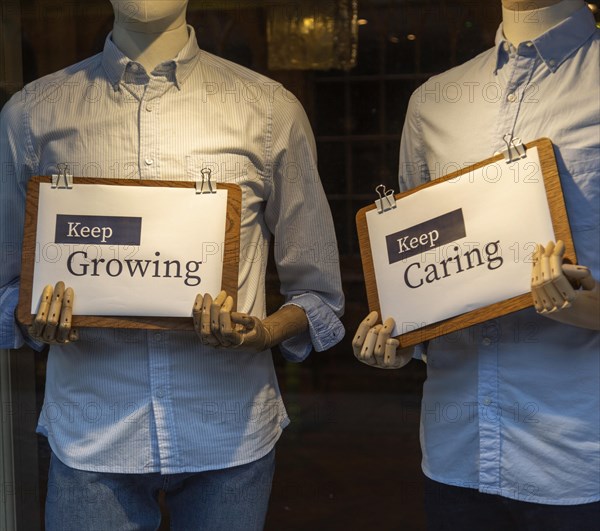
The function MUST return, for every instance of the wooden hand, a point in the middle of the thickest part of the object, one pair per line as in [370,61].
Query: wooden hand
[52,323]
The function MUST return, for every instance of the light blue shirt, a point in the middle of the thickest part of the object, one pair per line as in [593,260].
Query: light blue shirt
[145,401]
[511,407]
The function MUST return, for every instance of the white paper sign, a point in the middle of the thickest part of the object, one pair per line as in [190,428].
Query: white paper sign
[460,245]
[130,250]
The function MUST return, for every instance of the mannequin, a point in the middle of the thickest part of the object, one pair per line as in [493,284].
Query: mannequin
[150,32]
[485,465]
[194,414]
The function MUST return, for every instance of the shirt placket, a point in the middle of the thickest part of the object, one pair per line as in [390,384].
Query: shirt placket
[513,83]
[489,409]
[149,130]
[513,79]
[157,344]
[162,399]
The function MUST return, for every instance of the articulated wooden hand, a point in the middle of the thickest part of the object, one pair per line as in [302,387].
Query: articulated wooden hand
[373,345]
[220,327]
[52,323]
[564,292]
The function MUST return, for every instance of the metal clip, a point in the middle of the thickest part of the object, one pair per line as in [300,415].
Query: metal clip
[515,149]
[205,172]
[64,176]
[386,199]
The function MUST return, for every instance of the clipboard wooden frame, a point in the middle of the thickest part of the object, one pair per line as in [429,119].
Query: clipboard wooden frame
[562,231]
[231,255]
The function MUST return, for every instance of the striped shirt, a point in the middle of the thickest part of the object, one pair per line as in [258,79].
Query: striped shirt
[510,406]
[135,401]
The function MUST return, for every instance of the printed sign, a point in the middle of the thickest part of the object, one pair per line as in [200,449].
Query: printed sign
[130,250]
[460,245]
[425,236]
[115,230]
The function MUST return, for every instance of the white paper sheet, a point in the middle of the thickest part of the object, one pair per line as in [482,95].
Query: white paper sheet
[186,229]
[502,202]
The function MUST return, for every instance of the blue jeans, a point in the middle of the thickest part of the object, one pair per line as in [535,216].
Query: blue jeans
[231,499]
[449,508]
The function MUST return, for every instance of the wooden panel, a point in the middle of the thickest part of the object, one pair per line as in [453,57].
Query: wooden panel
[562,231]
[231,255]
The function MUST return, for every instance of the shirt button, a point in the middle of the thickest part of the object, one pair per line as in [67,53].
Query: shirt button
[511,97]
[149,108]
[487,341]
[160,393]
[149,161]
[487,401]
[552,62]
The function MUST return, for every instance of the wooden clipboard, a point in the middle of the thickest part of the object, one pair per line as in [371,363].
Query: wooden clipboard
[231,254]
[560,224]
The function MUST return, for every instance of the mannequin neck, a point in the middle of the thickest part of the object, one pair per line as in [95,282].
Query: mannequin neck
[525,20]
[150,45]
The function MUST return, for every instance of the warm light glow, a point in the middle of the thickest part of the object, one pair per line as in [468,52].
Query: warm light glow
[362,21]
[593,8]
[308,24]
[315,35]
[394,39]
[411,37]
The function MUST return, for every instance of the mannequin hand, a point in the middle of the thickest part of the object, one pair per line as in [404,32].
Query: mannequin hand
[373,345]
[553,284]
[52,324]
[219,327]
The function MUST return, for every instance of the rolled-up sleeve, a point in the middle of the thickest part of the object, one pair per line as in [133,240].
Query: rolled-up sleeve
[324,328]
[299,217]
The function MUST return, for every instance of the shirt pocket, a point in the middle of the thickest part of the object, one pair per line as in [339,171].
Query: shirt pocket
[232,168]
[579,171]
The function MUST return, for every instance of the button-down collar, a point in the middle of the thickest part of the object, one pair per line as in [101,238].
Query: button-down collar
[116,64]
[554,46]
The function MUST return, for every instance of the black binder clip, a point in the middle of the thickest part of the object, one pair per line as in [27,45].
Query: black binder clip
[205,172]
[515,149]
[64,176]
[386,199]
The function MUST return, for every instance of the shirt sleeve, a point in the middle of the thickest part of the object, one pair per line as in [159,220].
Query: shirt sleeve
[412,168]
[299,217]
[16,167]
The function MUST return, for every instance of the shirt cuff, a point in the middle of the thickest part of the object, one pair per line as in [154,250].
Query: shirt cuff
[324,328]
[12,336]
[10,333]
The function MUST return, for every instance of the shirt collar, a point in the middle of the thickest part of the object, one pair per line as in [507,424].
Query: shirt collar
[115,62]
[557,44]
